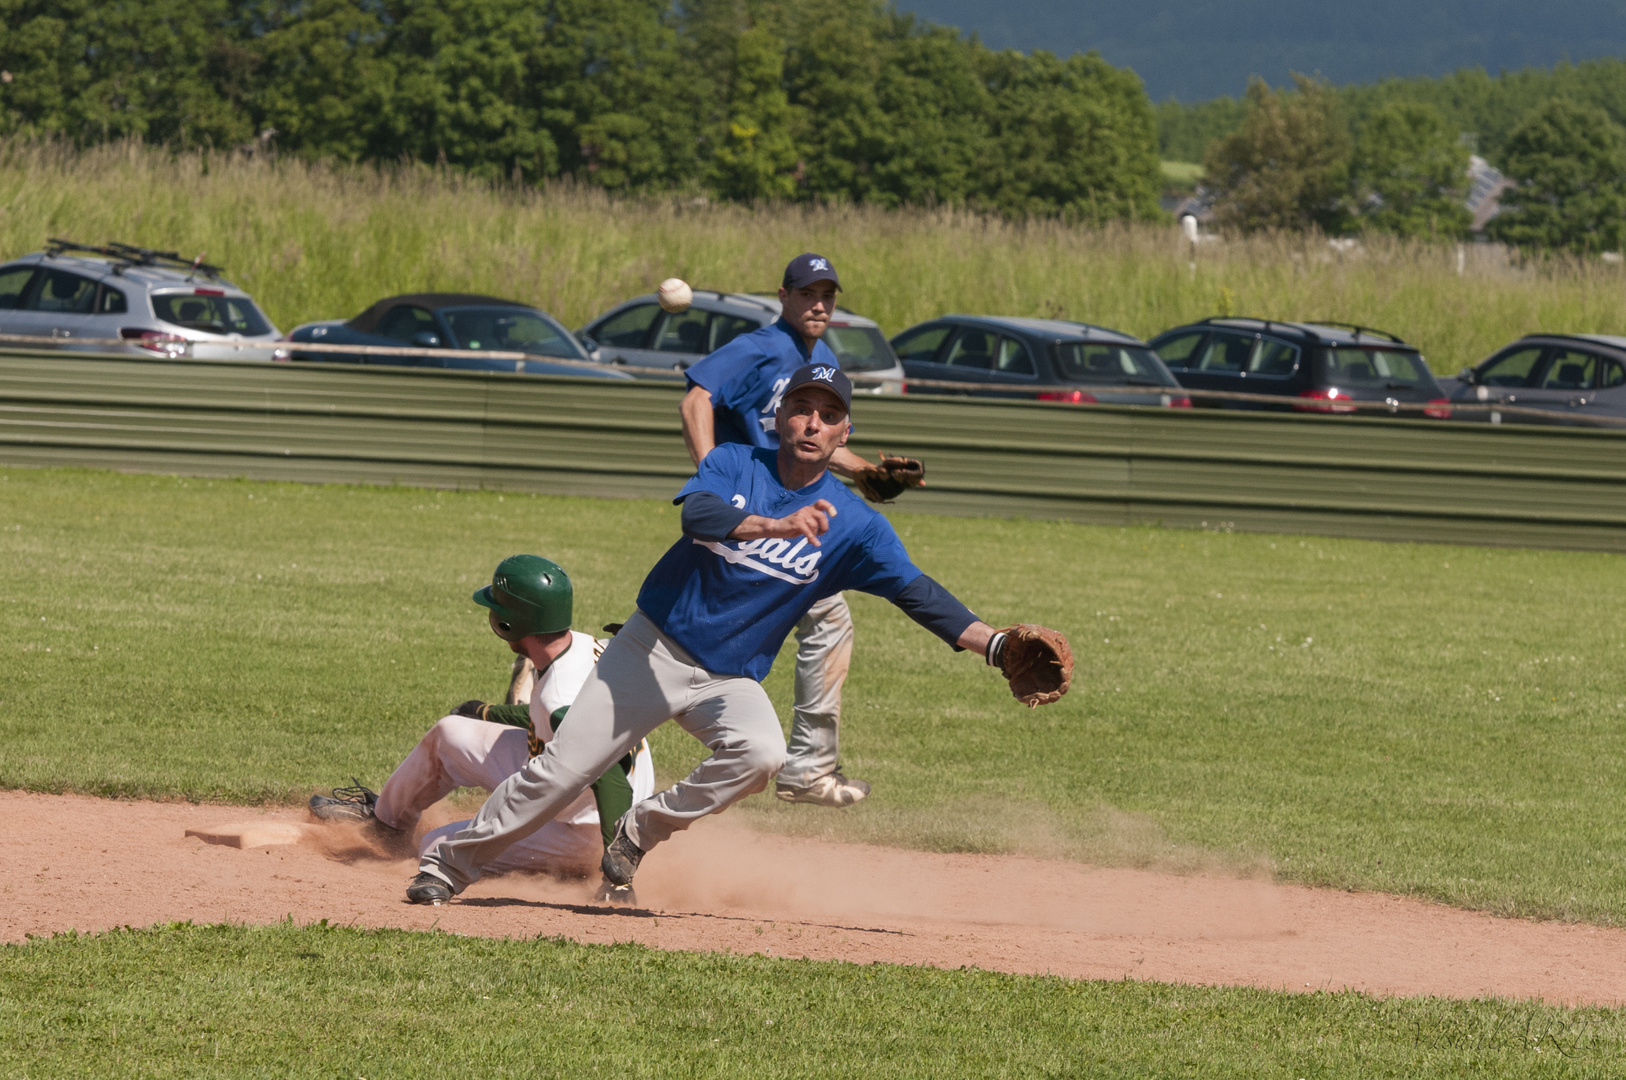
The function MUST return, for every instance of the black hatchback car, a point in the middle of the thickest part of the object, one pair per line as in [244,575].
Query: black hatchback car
[1316,367]
[1043,359]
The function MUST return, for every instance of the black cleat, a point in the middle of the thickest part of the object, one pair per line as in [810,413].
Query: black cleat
[622,857]
[426,888]
[346,803]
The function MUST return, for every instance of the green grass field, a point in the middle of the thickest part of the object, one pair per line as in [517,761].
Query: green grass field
[318,242]
[1438,721]
[246,1002]
[1445,722]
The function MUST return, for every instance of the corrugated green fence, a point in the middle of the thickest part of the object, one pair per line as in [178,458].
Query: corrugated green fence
[1353,476]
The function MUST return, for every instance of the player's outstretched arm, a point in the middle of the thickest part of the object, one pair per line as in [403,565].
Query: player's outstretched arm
[1035,660]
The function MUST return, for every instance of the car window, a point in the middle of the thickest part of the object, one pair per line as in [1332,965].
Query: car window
[111,302]
[859,348]
[725,328]
[1079,361]
[1181,351]
[685,333]
[973,348]
[922,342]
[211,314]
[1226,353]
[1611,374]
[13,284]
[58,290]
[1514,368]
[1013,358]
[406,322]
[1352,366]
[1274,358]
[508,329]
[1569,370]
[627,329]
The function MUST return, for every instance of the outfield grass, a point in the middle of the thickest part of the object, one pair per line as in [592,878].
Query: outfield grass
[325,1002]
[319,242]
[1445,722]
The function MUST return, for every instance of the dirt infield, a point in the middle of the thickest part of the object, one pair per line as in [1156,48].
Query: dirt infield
[90,864]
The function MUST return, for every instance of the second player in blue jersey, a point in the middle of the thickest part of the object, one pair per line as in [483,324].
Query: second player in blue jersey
[733,399]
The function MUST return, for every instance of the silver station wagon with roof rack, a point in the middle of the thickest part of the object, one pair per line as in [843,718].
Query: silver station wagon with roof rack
[155,303]
[651,343]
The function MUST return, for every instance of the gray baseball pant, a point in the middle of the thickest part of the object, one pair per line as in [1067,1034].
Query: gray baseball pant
[824,652]
[643,679]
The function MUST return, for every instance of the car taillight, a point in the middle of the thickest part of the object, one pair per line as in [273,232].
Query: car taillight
[1071,397]
[1328,400]
[156,341]
[1181,402]
[1438,409]
[208,292]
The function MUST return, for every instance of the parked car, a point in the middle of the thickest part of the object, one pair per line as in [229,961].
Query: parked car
[1583,375]
[157,302]
[1043,359]
[452,321]
[1314,366]
[653,343]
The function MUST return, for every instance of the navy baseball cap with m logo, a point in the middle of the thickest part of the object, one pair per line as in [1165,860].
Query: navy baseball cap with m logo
[805,269]
[826,377]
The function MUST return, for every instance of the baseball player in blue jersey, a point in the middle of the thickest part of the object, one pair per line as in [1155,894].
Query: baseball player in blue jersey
[733,395]
[767,534]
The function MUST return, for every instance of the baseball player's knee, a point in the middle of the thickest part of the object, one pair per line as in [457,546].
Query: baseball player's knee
[450,731]
[762,760]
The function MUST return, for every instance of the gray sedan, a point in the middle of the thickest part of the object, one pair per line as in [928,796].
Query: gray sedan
[1582,376]
[650,343]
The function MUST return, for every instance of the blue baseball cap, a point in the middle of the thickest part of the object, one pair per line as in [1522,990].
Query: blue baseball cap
[826,377]
[807,268]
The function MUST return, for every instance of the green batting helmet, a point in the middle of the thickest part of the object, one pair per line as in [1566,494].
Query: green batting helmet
[527,595]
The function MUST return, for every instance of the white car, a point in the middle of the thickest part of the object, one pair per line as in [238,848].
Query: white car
[155,302]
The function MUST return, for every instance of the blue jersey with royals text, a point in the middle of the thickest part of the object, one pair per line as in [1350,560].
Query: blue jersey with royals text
[730,603]
[747,377]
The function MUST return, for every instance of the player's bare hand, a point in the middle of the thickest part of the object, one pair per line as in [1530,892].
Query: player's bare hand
[811,522]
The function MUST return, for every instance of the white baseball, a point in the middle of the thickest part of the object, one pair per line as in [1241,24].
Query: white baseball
[675,295]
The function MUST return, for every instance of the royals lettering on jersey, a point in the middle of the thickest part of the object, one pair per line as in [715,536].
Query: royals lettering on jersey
[730,603]
[747,377]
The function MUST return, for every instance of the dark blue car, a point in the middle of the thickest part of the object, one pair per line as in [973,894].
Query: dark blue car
[464,322]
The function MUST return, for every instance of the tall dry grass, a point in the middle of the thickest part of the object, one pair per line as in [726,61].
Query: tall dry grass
[321,241]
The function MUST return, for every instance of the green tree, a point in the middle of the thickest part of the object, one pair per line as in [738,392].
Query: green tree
[1287,166]
[1568,163]
[163,70]
[756,156]
[326,81]
[1073,136]
[618,95]
[1410,173]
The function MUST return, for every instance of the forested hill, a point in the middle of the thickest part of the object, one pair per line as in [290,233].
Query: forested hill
[740,99]
[1199,49]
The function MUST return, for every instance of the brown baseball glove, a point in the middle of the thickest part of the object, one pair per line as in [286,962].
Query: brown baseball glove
[1036,661]
[891,478]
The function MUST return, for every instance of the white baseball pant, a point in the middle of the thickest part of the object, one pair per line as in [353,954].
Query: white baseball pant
[643,679]
[824,652]
[462,752]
